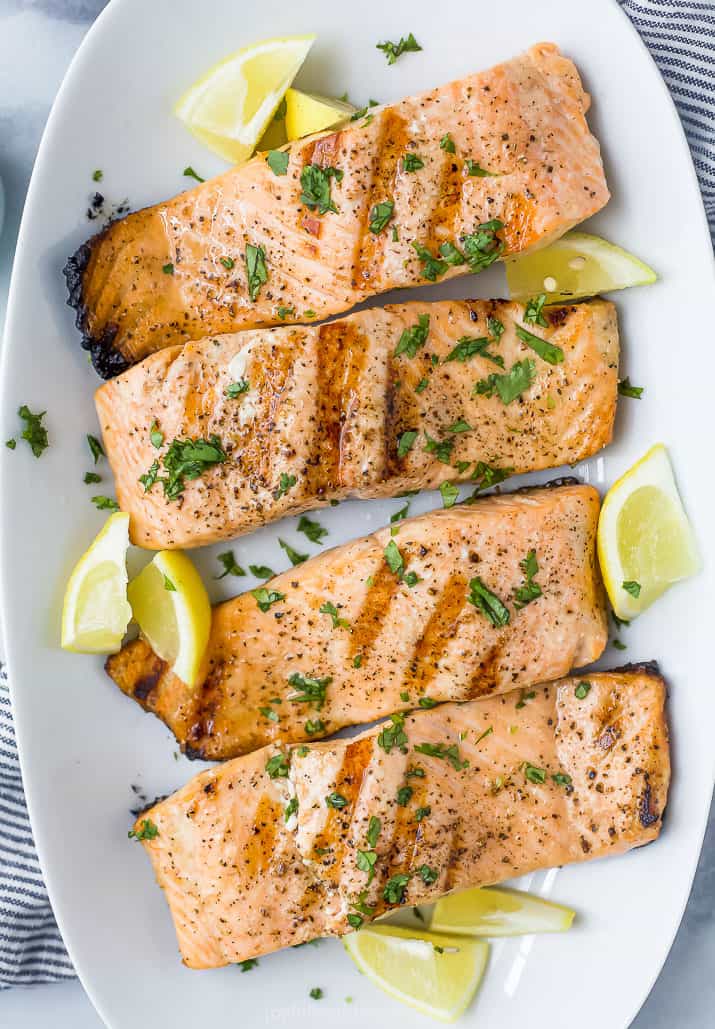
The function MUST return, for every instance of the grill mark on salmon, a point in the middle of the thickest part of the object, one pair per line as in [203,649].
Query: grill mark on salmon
[324,405]
[550,179]
[226,909]
[252,655]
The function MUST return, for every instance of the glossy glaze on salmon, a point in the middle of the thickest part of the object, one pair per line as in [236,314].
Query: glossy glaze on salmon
[524,170]
[564,777]
[392,643]
[368,406]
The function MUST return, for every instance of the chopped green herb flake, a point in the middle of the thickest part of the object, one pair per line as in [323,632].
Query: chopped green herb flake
[286,482]
[256,270]
[406,442]
[510,386]
[422,812]
[265,598]
[533,311]
[534,774]
[626,390]
[530,590]
[315,183]
[90,477]
[394,890]
[549,352]
[314,726]
[495,327]
[393,735]
[97,175]
[445,753]
[428,875]
[261,571]
[313,530]
[278,766]
[468,347]
[524,695]
[34,432]
[329,608]
[475,169]
[168,585]
[632,587]
[412,162]
[248,964]
[269,713]
[487,732]
[285,312]
[482,247]
[415,772]
[582,690]
[442,449]
[191,174]
[381,215]
[12,443]
[428,702]
[618,645]
[414,338]
[146,831]
[562,779]
[488,603]
[293,556]
[487,476]
[235,389]
[105,504]
[316,993]
[336,800]
[404,795]
[459,426]
[309,690]
[421,385]
[434,267]
[227,262]
[407,44]
[96,449]
[447,143]
[449,494]
[277,161]
[357,661]
[185,459]
[168,268]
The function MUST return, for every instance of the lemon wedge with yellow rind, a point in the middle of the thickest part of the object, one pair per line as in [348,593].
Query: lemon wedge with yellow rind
[95,612]
[645,541]
[171,606]
[230,107]
[436,973]
[487,912]
[307,113]
[577,265]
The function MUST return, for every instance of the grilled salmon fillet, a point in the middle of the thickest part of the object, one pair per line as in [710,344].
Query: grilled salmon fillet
[397,638]
[489,166]
[495,791]
[380,402]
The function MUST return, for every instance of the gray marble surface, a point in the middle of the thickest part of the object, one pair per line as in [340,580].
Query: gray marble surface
[37,41]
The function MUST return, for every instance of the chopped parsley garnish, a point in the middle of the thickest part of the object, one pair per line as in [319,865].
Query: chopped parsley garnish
[533,311]
[449,494]
[90,477]
[393,735]
[487,732]
[291,806]
[248,964]
[12,443]
[396,564]
[447,143]
[269,713]
[439,750]
[626,390]
[316,993]
[278,766]
[309,690]
[105,503]
[293,556]
[406,442]
[277,161]
[632,587]
[394,890]
[191,174]
[328,608]
[366,861]
[261,571]
[496,328]
[380,215]
[146,831]
[404,795]
[487,476]
[235,389]
[618,645]
[530,590]
[459,426]
[414,338]
[357,661]
[155,435]
[256,270]
[428,875]
[97,175]
[168,268]
[582,690]
[434,267]
[421,385]
[283,312]
[185,459]
[488,603]
[412,162]
[315,183]
[286,482]
[314,726]
[468,346]
[510,386]
[562,779]
[422,812]
[227,262]
[442,449]
[313,530]
[534,774]
[362,111]
[407,44]
[168,585]
[96,448]
[547,351]
[524,695]
[475,169]
[309,313]
[265,598]
[416,772]
[428,702]
[336,800]
[482,247]
[399,516]
[34,432]
[374,827]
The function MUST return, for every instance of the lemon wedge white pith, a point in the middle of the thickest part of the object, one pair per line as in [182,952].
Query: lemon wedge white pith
[170,604]
[437,974]
[230,107]
[577,265]
[489,912]
[645,541]
[95,613]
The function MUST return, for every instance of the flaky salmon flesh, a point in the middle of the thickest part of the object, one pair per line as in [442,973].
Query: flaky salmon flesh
[391,622]
[287,845]
[437,185]
[375,404]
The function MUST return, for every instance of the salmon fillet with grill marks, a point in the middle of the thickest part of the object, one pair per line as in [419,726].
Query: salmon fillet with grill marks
[368,406]
[242,881]
[398,643]
[179,271]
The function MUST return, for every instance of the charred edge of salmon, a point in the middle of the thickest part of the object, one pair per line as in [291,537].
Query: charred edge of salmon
[651,668]
[107,361]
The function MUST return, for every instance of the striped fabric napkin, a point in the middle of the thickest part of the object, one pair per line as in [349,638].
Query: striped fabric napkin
[681,37]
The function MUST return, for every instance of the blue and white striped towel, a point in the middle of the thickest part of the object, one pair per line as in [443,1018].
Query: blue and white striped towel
[681,38]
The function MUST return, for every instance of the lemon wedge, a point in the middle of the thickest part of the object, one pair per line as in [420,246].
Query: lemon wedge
[645,541]
[435,973]
[307,113]
[95,613]
[170,603]
[489,912]
[230,107]
[577,265]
